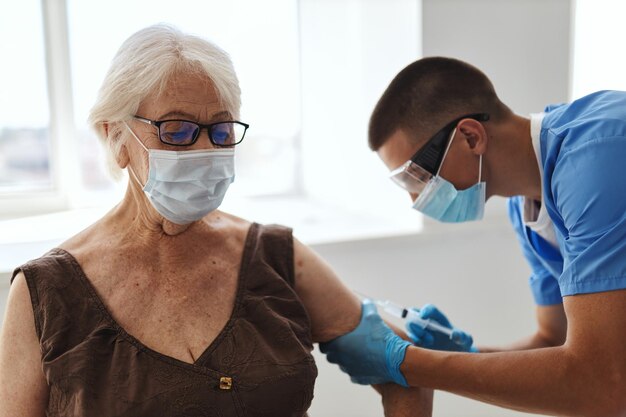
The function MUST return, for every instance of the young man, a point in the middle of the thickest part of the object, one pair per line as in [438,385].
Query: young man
[452,144]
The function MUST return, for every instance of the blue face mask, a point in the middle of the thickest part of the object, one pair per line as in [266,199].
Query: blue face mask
[185,186]
[441,201]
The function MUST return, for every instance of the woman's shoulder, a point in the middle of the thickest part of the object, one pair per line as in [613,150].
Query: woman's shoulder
[82,238]
[231,223]
[53,262]
[272,242]
[223,220]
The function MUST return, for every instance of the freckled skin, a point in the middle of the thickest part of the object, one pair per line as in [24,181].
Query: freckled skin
[185,276]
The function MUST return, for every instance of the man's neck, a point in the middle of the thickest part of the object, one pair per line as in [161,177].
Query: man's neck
[514,169]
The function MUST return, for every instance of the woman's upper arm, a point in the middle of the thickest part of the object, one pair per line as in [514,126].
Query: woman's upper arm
[334,310]
[23,388]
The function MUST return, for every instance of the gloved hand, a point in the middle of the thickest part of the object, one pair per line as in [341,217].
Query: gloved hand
[430,339]
[371,353]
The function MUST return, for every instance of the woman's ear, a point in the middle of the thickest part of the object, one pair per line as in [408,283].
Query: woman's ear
[117,145]
[475,135]
[122,157]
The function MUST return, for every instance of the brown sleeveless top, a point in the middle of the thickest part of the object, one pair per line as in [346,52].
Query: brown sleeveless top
[259,365]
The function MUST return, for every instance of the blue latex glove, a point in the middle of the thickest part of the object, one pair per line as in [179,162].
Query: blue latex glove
[371,353]
[430,339]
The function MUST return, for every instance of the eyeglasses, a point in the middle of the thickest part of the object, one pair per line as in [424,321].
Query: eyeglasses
[185,133]
[414,174]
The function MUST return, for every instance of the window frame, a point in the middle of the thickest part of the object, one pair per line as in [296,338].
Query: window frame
[67,191]
[64,163]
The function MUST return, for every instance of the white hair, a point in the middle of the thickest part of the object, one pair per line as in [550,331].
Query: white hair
[143,65]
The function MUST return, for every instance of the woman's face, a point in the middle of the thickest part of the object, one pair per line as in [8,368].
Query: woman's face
[187,97]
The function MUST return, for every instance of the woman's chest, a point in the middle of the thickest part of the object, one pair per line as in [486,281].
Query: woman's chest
[255,361]
[176,311]
[259,364]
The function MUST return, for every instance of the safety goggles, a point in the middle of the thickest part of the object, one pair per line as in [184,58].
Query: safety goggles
[425,164]
[185,133]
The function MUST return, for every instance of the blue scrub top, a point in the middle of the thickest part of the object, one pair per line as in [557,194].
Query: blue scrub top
[583,153]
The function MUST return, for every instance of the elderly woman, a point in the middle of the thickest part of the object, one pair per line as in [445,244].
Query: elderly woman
[167,306]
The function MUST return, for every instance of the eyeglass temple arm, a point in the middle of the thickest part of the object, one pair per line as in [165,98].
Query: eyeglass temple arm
[146,121]
[430,156]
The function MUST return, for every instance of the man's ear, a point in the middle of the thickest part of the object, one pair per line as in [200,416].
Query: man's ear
[474,134]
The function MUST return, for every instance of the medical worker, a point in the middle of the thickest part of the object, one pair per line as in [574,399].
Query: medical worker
[451,144]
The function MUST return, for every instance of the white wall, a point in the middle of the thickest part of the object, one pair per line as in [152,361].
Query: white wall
[523,45]
[4,292]
[351,49]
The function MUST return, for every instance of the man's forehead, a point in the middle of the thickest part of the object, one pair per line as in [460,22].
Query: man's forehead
[398,149]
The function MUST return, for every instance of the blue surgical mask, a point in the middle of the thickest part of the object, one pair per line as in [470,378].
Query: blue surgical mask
[185,186]
[442,201]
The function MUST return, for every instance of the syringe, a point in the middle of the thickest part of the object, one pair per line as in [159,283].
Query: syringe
[411,314]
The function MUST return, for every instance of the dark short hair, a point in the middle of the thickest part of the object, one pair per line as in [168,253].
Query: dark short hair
[429,93]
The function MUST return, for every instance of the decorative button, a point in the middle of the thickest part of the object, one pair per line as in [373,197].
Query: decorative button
[226,382]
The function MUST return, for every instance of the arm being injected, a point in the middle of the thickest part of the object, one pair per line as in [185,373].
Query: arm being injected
[429,328]
[412,315]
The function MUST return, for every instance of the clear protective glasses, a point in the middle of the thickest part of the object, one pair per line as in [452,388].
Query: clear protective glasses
[415,174]
[185,133]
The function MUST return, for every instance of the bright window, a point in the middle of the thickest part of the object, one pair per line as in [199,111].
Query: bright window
[24,115]
[598,44]
[45,153]
[310,73]
[265,58]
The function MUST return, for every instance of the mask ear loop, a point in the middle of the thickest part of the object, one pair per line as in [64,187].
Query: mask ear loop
[132,172]
[135,136]
[446,153]
[130,168]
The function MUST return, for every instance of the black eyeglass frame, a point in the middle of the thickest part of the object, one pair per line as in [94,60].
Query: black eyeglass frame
[208,127]
[430,155]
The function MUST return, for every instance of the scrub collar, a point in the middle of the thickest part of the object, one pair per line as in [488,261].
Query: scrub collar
[535,215]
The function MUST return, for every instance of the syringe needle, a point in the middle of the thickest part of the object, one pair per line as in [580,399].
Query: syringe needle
[404,313]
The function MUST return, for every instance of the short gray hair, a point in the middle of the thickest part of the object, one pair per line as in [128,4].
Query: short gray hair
[143,65]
